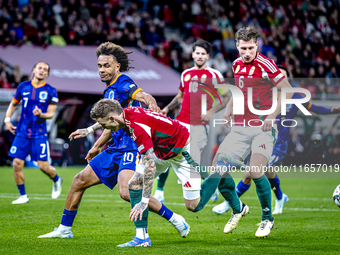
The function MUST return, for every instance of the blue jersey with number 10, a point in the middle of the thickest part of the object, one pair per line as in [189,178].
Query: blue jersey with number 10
[31,126]
[124,90]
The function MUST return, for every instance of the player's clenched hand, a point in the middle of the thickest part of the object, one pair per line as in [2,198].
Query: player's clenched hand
[138,209]
[165,111]
[79,133]
[92,153]
[336,109]
[228,115]
[208,116]
[37,111]
[154,107]
[9,126]
[268,123]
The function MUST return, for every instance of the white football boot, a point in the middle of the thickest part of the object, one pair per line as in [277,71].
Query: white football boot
[21,200]
[235,218]
[264,228]
[221,208]
[180,225]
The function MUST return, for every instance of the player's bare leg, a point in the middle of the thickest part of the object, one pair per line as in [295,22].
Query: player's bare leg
[18,165]
[263,190]
[83,180]
[19,177]
[50,171]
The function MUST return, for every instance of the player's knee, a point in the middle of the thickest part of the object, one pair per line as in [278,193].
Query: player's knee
[124,194]
[78,181]
[17,165]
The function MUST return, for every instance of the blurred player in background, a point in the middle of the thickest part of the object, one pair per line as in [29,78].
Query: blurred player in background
[117,164]
[190,99]
[162,142]
[252,70]
[39,102]
[279,151]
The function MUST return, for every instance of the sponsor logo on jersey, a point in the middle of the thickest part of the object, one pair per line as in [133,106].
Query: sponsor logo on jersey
[203,78]
[252,70]
[237,69]
[244,70]
[112,95]
[43,95]
[25,93]
[187,185]
[187,77]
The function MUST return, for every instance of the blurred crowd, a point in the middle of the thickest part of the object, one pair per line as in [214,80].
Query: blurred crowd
[300,34]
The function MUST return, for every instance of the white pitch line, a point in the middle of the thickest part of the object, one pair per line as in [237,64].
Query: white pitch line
[171,197]
[37,197]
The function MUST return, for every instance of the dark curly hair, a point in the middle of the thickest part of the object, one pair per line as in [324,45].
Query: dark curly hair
[117,52]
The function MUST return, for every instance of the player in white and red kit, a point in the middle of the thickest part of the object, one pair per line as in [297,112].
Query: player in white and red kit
[195,82]
[251,132]
[162,142]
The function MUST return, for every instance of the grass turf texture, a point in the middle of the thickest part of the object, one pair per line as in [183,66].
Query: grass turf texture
[308,224]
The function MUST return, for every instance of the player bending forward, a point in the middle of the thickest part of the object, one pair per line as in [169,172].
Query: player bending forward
[163,142]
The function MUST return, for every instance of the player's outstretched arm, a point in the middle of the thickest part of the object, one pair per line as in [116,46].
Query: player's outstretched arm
[10,110]
[97,147]
[45,115]
[147,99]
[228,113]
[149,173]
[175,102]
[323,110]
[80,133]
[217,108]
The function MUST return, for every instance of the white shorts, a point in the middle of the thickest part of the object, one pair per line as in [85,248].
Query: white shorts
[187,175]
[241,140]
[199,137]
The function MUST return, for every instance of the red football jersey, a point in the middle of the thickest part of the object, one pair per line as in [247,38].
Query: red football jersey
[261,75]
[152,130]
[193,84]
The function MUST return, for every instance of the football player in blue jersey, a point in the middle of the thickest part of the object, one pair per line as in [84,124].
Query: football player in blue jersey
[39,102]
[279,151]
[117,164]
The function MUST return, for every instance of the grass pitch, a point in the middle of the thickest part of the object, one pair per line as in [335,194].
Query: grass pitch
[308,224]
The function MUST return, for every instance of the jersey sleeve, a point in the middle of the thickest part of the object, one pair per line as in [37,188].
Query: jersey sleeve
[127,89]
[143,137]
[17,96]
[181,84]
[54,97]
[273,72]
[133,91]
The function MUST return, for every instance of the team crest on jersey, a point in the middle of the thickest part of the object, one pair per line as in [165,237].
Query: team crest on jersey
[203,78]
[237,69]
[43,95]
[187,77]
[112,95]
[252,70]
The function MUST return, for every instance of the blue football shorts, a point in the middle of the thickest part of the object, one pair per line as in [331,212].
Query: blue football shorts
[37,147]
[110,162]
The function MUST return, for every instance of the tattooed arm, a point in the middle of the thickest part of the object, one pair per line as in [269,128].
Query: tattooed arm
[80,133]
[149,175]
[175,102]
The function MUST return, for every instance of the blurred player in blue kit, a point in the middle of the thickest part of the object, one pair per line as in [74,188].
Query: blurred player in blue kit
[279,152]
[117,164]
[39,102]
